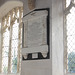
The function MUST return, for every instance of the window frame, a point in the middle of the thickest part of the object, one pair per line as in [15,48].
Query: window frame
[66,11]
[20,24]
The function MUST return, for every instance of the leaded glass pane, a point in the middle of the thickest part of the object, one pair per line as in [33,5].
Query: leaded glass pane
[70,39]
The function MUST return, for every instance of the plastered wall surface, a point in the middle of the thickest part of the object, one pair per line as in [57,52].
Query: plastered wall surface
[54,65]
[57,37]
[38,67]
[0,39]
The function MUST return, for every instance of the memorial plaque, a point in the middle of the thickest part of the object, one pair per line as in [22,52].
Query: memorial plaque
[35,32]
[35,27]
[35,35]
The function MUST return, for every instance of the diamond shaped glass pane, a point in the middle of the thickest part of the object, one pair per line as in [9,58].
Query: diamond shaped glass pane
[5,65]
[70,39]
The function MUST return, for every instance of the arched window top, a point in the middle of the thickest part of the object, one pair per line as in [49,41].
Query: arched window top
[9,5]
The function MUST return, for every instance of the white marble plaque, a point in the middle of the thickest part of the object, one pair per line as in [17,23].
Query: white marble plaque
[35,29]
[35,32]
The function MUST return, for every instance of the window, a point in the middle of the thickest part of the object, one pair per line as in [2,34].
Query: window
[70,27]
[11,41]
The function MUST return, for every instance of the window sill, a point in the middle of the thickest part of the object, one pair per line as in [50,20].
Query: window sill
[9,74]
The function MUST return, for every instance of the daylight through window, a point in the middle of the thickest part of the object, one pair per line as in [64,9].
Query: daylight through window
[70,21]
[12,41]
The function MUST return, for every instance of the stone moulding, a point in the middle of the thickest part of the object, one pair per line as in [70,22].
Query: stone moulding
[42,49]
[35,35]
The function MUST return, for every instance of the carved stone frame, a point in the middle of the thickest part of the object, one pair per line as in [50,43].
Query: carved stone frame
[40,56]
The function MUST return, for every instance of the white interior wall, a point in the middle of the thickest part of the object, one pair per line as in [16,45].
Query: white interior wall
[0,40]
[57,37]
[38,67]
